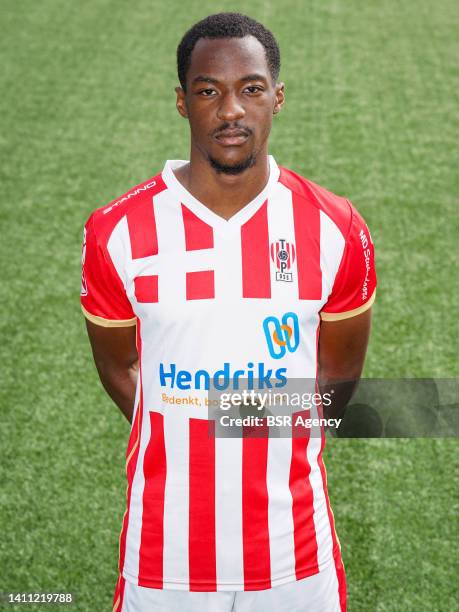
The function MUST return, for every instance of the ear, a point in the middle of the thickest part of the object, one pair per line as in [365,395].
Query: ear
[279,98]
[181,102]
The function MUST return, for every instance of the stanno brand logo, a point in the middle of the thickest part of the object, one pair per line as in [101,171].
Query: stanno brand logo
[130,195]
[282,336]
[171,376]
[283,255]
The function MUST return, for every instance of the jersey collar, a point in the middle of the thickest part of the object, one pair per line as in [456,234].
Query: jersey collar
[202,211]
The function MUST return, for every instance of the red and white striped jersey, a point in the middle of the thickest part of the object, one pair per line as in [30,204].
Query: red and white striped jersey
[207,513]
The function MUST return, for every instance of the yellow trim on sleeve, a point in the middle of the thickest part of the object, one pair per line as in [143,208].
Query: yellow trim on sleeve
[108,322]
[339,316]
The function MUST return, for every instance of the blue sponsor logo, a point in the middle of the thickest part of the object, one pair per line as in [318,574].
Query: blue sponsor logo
[282,335]
[170,376]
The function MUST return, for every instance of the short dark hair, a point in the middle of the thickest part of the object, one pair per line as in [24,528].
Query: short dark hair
[227,25]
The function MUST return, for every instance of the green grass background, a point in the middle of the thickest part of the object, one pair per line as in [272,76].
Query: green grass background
[86,112]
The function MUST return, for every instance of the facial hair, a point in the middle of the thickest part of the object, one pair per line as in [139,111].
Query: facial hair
[232,169]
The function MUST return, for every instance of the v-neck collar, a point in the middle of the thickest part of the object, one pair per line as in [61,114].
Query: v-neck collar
[205,213]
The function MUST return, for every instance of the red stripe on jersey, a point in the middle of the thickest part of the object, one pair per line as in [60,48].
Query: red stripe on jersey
[152,536]
[307,239]
[198,235]
[200,285]
[142,229]
[255,533]
[202,550]
[304,533]
[335,207]
[146,288]
[256,278]
[341,576]
[119,594]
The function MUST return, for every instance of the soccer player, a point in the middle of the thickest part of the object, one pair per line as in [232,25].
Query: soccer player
[222,268]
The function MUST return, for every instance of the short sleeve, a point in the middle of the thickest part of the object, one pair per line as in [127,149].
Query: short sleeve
[354,288]
[103,298]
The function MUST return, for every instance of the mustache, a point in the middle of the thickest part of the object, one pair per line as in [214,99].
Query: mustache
[232,126]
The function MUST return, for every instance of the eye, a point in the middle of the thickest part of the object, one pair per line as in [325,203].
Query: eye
[253,89]
[207,92]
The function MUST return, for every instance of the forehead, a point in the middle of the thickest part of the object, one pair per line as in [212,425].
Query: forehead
[227,59]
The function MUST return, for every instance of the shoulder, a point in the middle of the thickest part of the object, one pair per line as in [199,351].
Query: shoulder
[339,209]
[103,220]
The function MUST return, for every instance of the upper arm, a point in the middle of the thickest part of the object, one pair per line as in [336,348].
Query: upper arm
[114,348]
[343,345]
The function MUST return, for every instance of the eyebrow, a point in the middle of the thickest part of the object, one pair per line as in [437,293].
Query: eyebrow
[254,77]
[201,78]
[205,79]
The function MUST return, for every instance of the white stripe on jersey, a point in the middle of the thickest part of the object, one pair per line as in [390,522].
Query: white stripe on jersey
[170,231]
[228,269]
[176,520]
[330,258]
[118,243]
[228,511]
[281,226]
[280,518]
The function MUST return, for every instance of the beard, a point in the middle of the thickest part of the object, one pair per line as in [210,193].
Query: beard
[233,169]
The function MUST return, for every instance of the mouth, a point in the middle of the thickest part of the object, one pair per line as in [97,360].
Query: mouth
[231,138]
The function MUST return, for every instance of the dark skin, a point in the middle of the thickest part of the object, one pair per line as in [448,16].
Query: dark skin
[230,101]
[115,355]
[228,84]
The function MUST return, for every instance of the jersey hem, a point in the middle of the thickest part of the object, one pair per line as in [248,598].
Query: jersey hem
[226,586]
[108,322]
[339,316]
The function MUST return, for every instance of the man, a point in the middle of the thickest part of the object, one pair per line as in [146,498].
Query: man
[225,267]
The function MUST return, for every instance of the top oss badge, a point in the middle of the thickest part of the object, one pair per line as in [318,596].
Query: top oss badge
[283,255]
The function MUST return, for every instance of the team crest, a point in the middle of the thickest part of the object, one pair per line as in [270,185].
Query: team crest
[283,255]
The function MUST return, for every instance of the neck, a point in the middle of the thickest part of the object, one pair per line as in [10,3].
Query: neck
[224,194]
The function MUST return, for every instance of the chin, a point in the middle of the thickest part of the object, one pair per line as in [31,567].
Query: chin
[232,166]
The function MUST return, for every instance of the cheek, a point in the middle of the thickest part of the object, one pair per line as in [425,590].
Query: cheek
[198,127]
[264,123]
[196,115]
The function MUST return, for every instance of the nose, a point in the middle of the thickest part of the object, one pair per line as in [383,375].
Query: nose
[230,108]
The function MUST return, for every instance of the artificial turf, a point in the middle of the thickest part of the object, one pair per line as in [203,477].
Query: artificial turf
[86,112]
